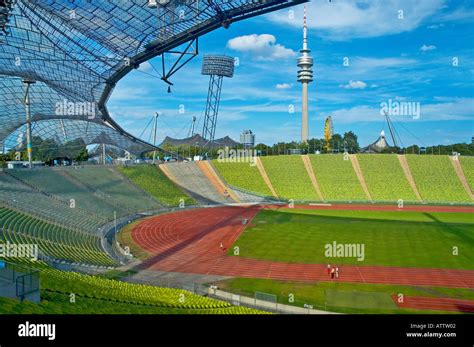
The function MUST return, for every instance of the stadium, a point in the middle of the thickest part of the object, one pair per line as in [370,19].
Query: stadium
[297,233]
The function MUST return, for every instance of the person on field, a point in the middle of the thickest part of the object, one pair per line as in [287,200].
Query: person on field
[332,273]
[222,247]
[329,269]
[337,272]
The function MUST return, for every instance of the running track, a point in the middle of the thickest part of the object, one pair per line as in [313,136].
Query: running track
[189,242]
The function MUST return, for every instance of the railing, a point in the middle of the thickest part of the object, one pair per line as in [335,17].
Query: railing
[25,279]
[27,284]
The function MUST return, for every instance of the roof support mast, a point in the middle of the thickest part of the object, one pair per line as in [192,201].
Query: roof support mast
[390,128]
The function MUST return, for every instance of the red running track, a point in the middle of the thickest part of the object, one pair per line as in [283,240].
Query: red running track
[189,242]
[438,304]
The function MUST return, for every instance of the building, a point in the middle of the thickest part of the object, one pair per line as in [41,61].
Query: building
[247,138]
[305,76]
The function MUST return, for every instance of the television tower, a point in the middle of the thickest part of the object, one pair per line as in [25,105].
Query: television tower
[305,76]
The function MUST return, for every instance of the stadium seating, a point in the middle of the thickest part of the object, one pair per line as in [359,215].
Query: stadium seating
[336,178]
[59,303]
[53,182]
[190,177]
[289,177]
[242,175]
[52,240]
[114,188]
[22,197]
[152,180]
[385,178]
[94,294]
[467,164]
[436,179]
[103,288]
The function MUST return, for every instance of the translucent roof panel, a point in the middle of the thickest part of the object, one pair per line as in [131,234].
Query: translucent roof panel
[76,52]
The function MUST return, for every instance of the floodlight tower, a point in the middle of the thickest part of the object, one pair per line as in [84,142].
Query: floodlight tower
[217,67]
[305,76]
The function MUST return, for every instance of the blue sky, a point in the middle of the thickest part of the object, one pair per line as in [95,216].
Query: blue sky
[399,50]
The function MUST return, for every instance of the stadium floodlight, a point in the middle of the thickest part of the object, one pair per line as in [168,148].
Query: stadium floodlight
[83,59]
[217,67]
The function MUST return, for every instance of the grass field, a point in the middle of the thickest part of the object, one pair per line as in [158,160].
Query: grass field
[340,296]
[399,238]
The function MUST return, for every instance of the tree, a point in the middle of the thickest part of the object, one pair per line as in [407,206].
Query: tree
[414,149]
[82,156]
[350,142]
[337,142]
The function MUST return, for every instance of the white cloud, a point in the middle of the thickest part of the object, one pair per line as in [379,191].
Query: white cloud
[373,63]
[459,14]
[262,47]
[426,48]
[354,85]
[284,85]
[341,20]
[455,110]
[145,66]
[435,26]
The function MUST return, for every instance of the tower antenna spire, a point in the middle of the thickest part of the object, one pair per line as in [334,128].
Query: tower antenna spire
[305,76]
[305,40]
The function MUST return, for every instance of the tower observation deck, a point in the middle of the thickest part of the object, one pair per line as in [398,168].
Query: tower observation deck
[305,76]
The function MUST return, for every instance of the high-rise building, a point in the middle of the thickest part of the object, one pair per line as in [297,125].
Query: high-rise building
[305,76]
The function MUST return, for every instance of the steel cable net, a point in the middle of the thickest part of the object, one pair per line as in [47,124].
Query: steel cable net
[77,50]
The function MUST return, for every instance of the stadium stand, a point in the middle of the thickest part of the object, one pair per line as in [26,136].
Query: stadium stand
[336,177]
[114,188]
[467,164]
[385,178]
[20,196]
[243,176]
[52,240]
[152,180]
[96,294]
[190,177]
[436,179]
[289,177]
[54,183]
